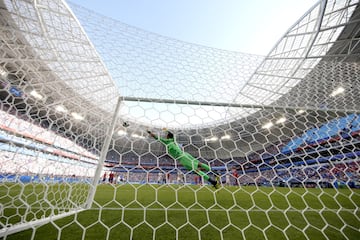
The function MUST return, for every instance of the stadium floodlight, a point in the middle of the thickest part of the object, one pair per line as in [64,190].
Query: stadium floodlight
[301,111]
[36,95]
[267,125]
[337,91]
[281,120]
[61,108]
[211,139]
[121,132]
[3,72]
[135,135]
[77,116]
[225,137]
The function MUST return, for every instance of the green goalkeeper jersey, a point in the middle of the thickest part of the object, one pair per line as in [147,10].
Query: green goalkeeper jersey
[188,161]
[173,149]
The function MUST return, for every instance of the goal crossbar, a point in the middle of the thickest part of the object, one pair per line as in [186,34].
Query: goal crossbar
[233,105]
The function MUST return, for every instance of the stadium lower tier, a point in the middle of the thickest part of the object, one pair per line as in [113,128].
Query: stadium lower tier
[345,174]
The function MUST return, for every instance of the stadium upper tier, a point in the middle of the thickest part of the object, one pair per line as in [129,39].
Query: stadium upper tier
[68,66]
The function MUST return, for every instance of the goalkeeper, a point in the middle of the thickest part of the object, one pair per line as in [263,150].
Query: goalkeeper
[188,161]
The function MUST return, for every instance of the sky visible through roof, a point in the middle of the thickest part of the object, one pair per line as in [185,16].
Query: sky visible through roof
[243,26]
[250,26]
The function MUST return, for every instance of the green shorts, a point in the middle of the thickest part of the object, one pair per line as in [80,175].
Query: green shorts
[189,162]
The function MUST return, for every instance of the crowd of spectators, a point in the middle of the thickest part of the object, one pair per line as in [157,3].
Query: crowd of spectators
[50,154]
[271,167]
[156,176]
[20,125]
[27,164]
[324,175]
[27,149]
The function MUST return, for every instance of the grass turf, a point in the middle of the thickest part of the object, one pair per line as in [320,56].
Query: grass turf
[190,212]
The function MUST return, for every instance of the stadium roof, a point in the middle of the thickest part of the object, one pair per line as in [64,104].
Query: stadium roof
[153,69]
[63,56]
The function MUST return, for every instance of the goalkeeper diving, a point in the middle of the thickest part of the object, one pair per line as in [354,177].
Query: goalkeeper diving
[187,160]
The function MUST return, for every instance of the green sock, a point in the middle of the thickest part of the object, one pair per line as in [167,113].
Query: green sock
[206,167]
[202,174]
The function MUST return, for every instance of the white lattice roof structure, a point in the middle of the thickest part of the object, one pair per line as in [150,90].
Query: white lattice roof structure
[81,62]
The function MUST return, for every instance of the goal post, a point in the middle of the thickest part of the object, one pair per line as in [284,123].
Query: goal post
[40,182]
[103,154]
[36,189]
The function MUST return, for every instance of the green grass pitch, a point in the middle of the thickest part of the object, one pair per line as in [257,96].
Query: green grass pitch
[195,212]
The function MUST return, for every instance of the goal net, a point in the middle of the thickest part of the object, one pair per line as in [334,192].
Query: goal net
[87,103]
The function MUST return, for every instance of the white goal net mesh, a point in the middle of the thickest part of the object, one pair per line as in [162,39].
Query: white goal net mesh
[86,104]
